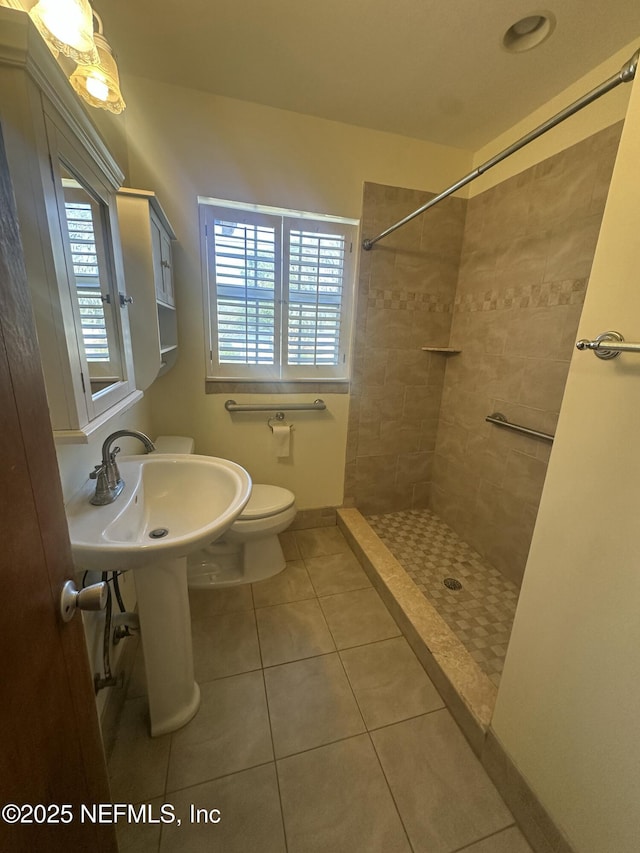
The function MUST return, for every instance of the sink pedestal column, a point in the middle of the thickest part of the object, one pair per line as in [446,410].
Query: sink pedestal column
[165,629]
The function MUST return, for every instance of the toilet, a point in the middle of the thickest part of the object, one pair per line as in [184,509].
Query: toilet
[250,550]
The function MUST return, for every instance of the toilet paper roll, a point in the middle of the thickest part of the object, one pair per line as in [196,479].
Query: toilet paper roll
[282,439]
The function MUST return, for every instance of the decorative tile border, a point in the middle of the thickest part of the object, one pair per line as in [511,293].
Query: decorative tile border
[543,295]
[407,300]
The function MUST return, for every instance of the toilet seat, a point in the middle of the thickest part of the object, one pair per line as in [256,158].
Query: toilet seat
[266,501]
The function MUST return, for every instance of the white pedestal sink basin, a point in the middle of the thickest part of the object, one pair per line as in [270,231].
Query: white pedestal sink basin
[170,505]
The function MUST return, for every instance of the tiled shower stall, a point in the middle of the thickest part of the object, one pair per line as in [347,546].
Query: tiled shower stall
[501,278]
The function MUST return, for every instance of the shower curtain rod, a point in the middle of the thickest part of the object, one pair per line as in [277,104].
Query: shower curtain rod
[625,75]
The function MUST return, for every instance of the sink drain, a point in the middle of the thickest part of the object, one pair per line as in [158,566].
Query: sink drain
[452,583]
[158,533]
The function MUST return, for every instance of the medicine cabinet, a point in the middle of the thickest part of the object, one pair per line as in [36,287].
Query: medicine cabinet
[65,182]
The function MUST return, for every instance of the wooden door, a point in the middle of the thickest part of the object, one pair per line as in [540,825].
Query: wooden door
[50,745]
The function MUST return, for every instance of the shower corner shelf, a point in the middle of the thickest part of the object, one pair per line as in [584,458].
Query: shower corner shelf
[443,350]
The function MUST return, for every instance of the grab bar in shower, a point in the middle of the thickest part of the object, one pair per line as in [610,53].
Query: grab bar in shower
[499,419]
[317,405]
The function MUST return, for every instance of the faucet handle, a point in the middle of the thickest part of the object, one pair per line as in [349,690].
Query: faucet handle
[99,469]
[112,455]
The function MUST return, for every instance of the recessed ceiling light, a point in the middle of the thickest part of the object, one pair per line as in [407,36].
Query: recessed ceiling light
[529,32]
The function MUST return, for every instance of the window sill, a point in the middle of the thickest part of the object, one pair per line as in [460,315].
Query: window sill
[307,386]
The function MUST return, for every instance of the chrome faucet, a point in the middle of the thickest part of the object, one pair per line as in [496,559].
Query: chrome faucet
[109,482]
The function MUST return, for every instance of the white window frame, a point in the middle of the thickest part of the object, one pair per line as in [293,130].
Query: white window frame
[284,221]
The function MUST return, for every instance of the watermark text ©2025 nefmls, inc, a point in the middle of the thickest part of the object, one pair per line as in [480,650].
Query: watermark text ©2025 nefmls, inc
[52,813]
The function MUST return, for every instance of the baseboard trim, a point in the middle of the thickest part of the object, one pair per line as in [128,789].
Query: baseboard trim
[533,819]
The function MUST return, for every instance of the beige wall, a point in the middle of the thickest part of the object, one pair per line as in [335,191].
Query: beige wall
[183,144]
[526,258]
[567,708]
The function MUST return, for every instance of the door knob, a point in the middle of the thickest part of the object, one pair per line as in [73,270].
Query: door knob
[92,597]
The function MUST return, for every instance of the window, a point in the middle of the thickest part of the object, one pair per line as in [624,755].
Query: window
[279,288]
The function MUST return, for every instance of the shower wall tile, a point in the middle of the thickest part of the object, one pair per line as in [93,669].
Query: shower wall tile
[572,245]
[527,251]
[405,301]
[502,277]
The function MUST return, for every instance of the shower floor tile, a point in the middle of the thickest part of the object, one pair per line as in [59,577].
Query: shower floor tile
[481,612]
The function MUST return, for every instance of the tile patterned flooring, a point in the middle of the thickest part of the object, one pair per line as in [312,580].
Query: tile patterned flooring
[319,731]
[481,613]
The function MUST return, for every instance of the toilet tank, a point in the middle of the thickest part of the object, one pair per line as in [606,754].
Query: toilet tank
[174,444]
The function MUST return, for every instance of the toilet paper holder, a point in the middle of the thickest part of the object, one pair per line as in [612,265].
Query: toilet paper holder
[279,416]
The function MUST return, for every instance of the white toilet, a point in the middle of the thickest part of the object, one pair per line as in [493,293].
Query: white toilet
[250,550]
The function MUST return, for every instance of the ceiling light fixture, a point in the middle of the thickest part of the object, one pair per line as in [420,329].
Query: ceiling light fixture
[67,28]
[98,83]
[529,32]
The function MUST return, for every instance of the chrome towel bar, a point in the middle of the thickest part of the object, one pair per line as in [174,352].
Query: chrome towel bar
[499,419]
[608,345]
[317,405]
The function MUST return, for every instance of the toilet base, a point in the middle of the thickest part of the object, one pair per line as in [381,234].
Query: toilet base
[224,564]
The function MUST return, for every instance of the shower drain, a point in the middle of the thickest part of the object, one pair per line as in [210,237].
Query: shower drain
[158,533]
[452,583]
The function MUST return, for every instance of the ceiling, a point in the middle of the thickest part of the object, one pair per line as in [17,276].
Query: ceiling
[430,69]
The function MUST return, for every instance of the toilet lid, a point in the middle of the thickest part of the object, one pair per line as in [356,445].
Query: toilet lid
[266,501]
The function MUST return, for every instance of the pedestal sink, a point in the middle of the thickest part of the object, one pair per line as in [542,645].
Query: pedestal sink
[171,504]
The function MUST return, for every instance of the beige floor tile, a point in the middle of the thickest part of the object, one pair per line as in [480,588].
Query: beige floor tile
[389,683]
[293,584]
[138,764]
[508,841]
[289,545]
[336,573]
[292,631]
[356,618]
[310,704]
[227,646]
[320,541]
[230,732]
[444,797]
[250,816]
[140,837]
[336,799]
[205,604]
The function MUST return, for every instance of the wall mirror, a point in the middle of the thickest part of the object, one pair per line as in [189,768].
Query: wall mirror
[90,280]
[84,221]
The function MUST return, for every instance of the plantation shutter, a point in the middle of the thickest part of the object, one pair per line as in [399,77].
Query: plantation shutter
[87,278]
[246,272]
[316,285]
[279,293]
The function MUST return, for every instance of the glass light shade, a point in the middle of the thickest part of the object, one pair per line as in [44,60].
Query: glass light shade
[99,83]
[67,26]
